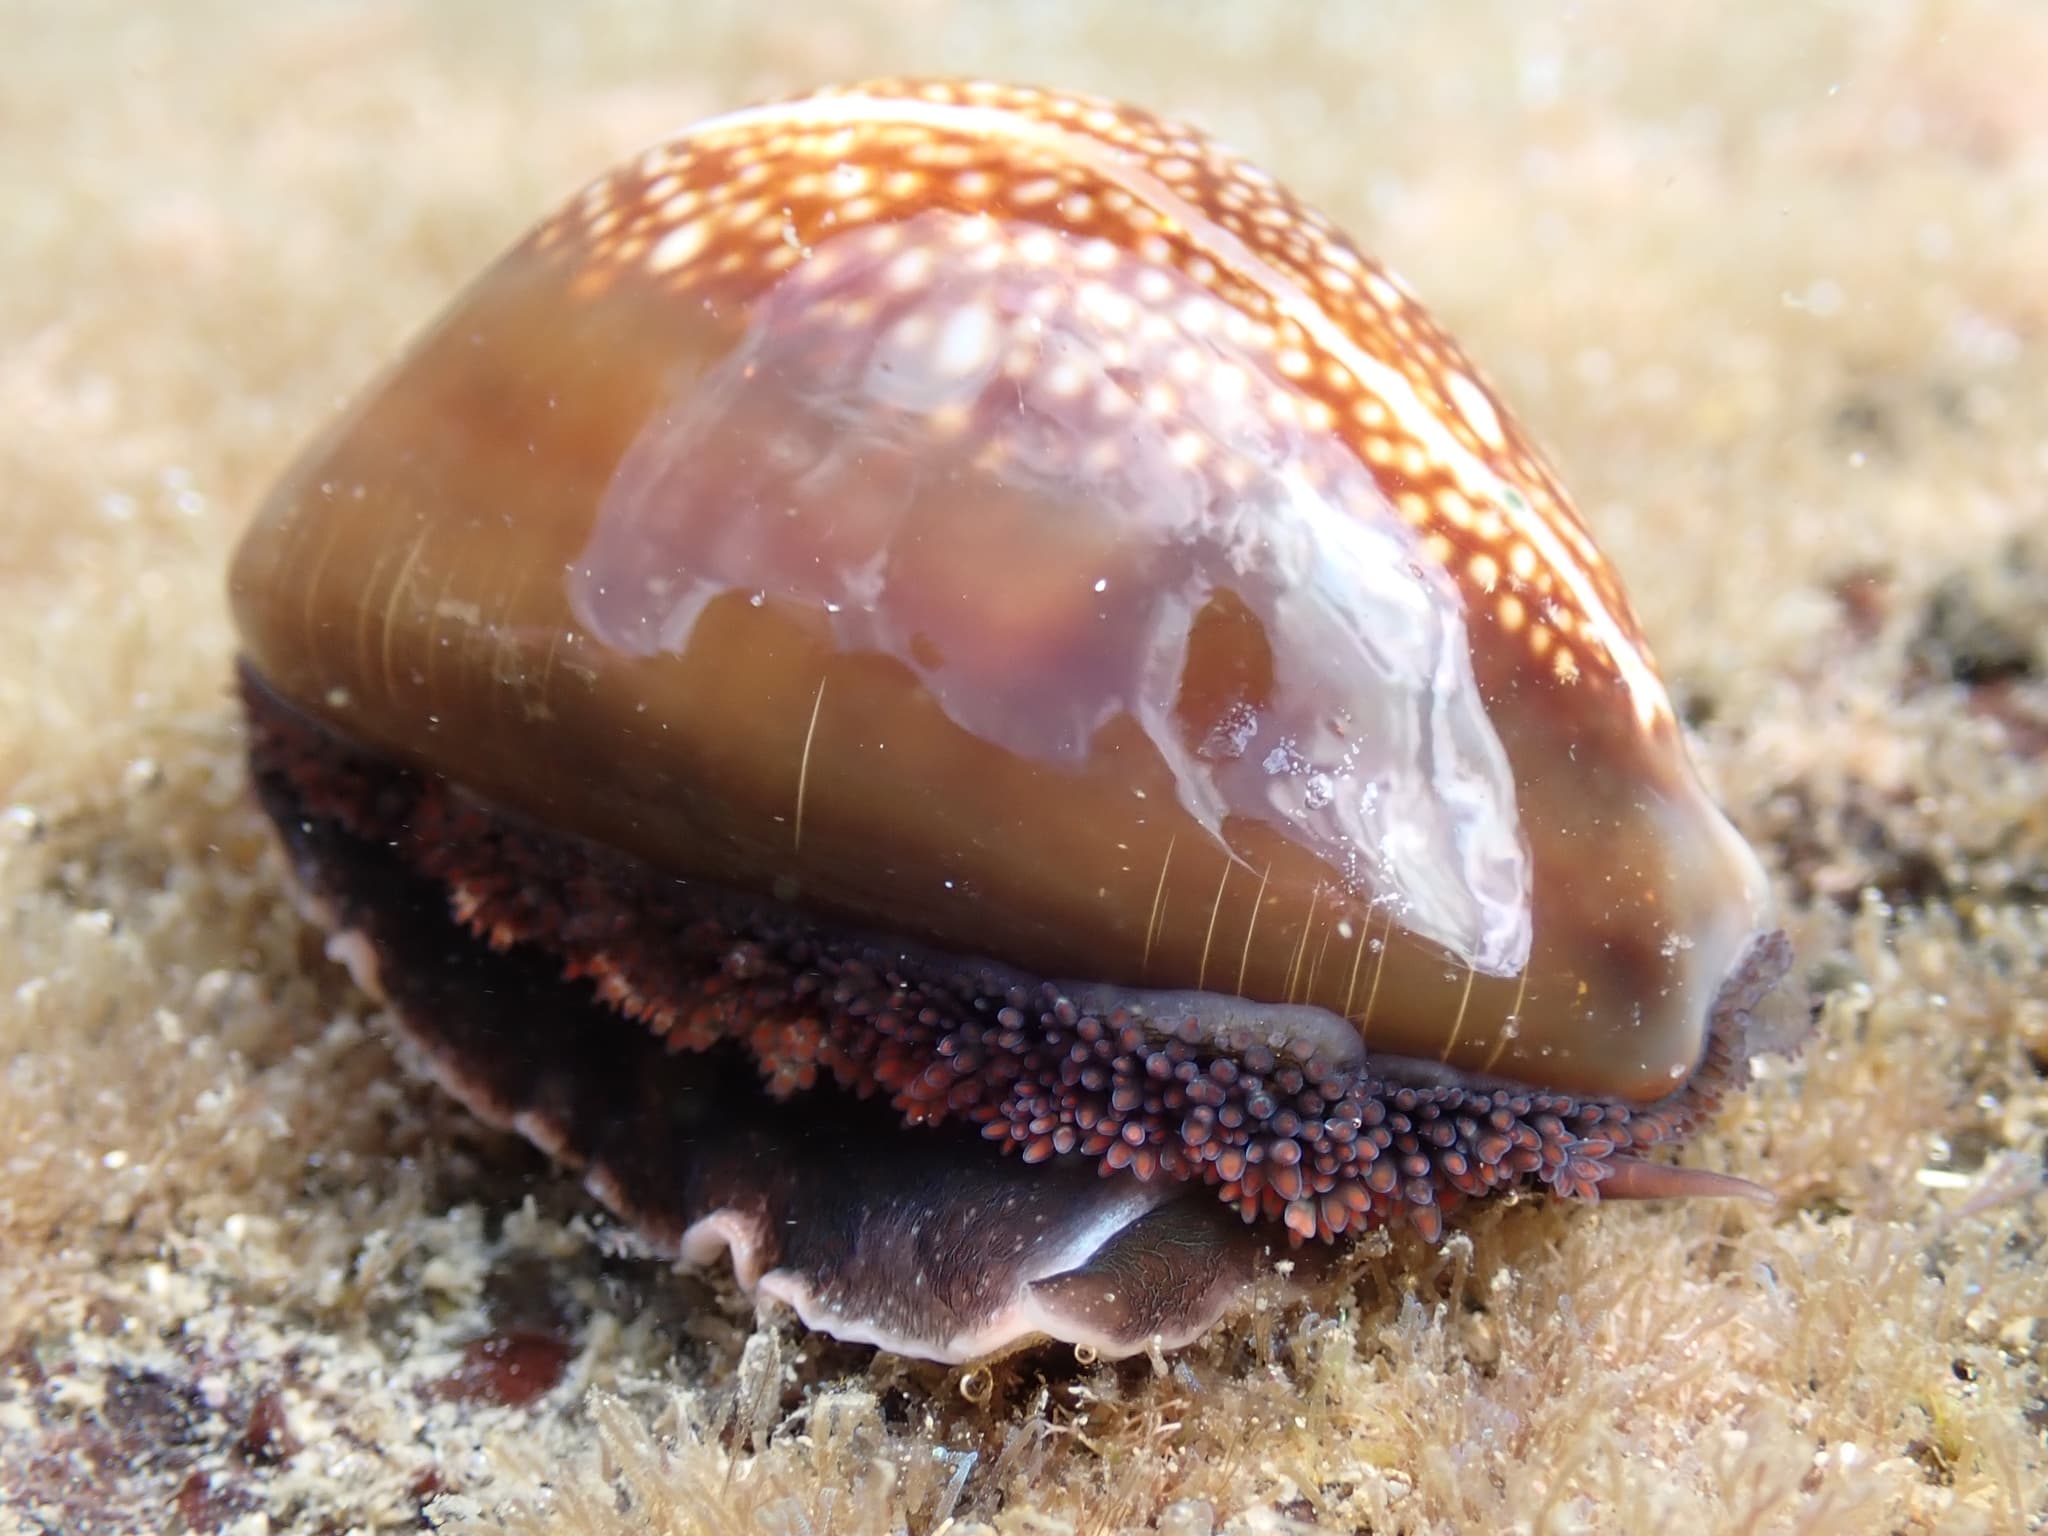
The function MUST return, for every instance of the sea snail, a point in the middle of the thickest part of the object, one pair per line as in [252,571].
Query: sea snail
[943,687]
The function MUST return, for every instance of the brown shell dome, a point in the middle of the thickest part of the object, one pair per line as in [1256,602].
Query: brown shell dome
[1009,529]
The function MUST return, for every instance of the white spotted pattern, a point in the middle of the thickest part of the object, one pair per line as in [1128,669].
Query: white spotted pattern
[1062,181]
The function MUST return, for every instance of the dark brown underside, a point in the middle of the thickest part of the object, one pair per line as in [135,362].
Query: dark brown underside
[699,980]
[933,1242]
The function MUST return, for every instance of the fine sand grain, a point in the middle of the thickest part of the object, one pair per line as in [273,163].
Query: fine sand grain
[1773,282]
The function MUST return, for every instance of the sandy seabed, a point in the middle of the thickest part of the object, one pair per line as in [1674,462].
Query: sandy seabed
[1772,280]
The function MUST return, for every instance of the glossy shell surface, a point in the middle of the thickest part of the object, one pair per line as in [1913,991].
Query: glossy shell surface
[1013,525]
